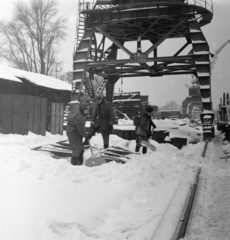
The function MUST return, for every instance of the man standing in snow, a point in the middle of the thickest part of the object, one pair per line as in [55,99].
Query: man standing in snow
[102,120]
[76,130]
[143,129]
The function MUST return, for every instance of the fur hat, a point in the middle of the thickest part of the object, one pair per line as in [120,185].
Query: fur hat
[98,97]
[84,105]
[149,109]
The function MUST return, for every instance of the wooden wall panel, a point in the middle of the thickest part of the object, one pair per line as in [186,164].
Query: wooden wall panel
[22,113]
[31,101]
[37,115]
[6,115]
[53,117]
[43,116]
[61,116]
[57,118]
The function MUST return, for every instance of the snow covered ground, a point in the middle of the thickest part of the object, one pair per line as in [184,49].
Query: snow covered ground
[211,215]
[47,198]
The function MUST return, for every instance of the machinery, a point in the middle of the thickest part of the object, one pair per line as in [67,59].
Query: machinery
[122,21]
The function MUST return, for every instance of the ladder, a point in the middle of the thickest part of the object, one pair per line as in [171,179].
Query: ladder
[86,49]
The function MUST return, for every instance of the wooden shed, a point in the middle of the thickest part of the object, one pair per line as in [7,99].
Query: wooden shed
[31,102]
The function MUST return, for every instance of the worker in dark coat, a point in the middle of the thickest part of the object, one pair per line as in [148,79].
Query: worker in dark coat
[143,129]
[76,130]
[102,120]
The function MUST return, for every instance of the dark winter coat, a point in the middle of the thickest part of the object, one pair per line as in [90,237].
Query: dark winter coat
[103,115]
[76,128]
[144,127]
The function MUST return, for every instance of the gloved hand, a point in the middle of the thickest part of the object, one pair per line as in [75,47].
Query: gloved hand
[86,142]
[110,126]
[149,134]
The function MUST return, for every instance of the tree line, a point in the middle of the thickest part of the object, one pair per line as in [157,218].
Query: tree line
[30,40]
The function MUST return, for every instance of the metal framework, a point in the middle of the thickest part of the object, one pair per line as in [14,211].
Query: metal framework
[122,21]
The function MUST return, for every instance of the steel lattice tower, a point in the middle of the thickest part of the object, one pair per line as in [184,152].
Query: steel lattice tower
[123,21]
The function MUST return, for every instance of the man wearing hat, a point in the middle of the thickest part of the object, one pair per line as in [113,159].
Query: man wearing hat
[76,130]
[143,129]
[102,119]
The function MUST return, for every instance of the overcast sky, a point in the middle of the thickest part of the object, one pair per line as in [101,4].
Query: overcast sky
[160,89]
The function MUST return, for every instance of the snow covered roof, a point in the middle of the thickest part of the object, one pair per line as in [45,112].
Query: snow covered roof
[7,76]
[38,79]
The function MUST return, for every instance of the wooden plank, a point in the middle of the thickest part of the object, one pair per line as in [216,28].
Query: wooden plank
[6,116]
[53,115]
[61,118]
[31,103]
[37,115]
[57,118]
[43,116]
[20,120]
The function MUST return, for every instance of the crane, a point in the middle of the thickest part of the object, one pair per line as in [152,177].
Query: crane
[215,56]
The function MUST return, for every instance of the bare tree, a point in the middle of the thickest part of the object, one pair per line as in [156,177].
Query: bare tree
[67,77]
[172,105]
[30,40]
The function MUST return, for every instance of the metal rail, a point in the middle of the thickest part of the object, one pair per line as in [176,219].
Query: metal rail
[186,212]
[205,149]
[180,231]
[207,4]
[91,4]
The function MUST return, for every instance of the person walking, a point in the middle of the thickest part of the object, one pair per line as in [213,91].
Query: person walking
[143,129]
[102,120]
[76,130]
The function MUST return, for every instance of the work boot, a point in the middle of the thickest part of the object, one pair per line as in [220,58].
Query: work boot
[144,150]
[76,161]
[137,149]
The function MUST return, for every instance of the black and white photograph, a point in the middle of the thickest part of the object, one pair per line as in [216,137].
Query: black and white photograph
[115,119]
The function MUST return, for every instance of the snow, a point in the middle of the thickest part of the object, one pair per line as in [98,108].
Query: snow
[6,76]
[38,79]
[211,213]
[43,197]
[126,100]
[177,128]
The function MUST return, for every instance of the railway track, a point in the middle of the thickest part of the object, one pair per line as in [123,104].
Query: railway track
[186,212]
[205,148]
[164,232]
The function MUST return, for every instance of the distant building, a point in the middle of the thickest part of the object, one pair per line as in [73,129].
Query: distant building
[169,114]
[192,105]
[131,104]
